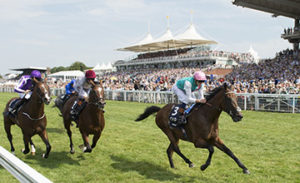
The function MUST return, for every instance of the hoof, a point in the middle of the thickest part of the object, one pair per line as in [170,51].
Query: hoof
[44,156]
[191,165]
[33,153]
[246,171]
[24,151]
[72,151]
[203,167]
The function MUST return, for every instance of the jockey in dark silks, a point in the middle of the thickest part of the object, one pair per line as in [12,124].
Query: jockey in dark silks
[69,91]
[24,88]
[82,87]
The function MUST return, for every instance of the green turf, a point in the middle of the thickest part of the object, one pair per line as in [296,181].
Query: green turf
[267,143]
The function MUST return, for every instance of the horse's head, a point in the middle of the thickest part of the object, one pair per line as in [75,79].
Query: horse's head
[96,95]
[42,90]
[230,105]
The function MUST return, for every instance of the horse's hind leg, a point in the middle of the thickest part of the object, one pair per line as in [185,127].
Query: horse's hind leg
[32,147]
[174,145]
[170,154]
[7,127]
[219,144]
[44,137]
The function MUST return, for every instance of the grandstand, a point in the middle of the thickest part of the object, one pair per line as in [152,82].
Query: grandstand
[287,8]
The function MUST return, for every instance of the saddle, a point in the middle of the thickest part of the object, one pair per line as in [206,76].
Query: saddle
[177,120]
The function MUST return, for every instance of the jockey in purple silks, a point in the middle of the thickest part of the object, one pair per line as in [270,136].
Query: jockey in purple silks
[24,88]
[184,89]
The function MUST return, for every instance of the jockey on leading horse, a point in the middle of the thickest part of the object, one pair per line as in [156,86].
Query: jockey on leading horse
[24,88]
[82,87]
[183,88]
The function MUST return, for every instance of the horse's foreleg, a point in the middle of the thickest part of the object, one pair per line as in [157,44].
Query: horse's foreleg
[44,137]
[69,132]
[207,163]
[32,147]
[9,135]
[86,147]
[95,139]
[26,139]
[219,144]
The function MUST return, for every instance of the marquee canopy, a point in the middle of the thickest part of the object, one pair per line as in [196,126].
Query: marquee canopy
[189,37]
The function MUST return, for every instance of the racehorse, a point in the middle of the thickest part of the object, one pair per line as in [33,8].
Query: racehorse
[31,118]
[91,119]
[202,127]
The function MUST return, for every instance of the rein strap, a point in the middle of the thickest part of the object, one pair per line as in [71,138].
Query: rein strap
[33,118]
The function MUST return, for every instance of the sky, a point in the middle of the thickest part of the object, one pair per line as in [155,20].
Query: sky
[52,33]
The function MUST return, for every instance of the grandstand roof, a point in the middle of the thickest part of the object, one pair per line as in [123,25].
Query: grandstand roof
[189,37]
[287,8]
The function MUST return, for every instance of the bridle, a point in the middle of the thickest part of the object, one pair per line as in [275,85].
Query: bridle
[99,102]
[226,103]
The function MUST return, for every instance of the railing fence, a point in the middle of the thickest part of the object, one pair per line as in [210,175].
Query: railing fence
[247,101]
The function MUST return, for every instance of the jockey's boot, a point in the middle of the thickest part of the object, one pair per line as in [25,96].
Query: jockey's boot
[181,117]
[13,111]
[74,110]
[77,107]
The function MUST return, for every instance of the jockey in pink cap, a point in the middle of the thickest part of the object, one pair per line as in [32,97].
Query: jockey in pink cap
[184,89]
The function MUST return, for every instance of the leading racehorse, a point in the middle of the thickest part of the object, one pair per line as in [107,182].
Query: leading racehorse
[91,119]
[31,118]
[202,127]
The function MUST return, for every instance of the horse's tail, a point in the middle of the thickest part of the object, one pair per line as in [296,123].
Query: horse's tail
[148,111]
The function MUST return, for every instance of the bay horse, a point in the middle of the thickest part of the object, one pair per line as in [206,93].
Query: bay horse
[31,118]
[202,127]
[91,119]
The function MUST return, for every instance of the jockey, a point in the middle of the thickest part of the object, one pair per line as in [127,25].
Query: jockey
[24,88]
[69,90]
[82,87]
[184,87]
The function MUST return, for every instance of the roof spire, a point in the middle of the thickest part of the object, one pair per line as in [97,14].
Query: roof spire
[168,22]
[191,12]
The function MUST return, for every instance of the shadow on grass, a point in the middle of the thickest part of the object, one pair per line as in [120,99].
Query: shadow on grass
[55,130]
[147,169]
[54,160]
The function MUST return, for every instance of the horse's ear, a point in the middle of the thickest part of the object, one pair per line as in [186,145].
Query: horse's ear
[227,85]
[35,80]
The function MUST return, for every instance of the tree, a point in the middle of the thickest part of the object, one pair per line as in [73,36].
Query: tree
[78,66]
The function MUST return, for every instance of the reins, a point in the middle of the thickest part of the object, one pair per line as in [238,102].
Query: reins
[34,119]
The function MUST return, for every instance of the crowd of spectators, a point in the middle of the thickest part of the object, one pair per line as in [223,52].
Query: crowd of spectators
[280,75]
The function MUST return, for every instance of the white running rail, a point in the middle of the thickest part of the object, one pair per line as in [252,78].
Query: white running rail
[19,169]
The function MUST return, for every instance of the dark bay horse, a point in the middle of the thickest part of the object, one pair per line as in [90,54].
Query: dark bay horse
[31,118]
[202,127]
[91,118]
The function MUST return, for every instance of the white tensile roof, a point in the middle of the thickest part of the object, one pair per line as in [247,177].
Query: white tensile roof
[76,73]
[102,67]
[189,37]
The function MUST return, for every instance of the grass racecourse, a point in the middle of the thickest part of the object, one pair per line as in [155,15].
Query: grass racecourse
[267,143]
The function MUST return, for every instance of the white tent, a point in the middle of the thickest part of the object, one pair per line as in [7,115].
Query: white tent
[189,37]
[192,37]
[67,75]
[103,68]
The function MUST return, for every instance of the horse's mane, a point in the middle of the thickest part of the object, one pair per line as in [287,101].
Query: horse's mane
[213,93]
